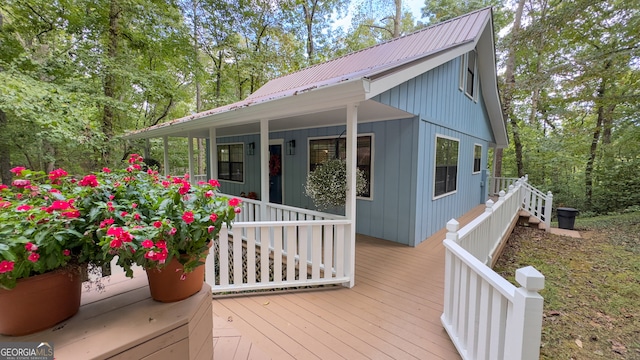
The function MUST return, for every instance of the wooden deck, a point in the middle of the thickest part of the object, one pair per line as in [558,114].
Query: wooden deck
[393,312]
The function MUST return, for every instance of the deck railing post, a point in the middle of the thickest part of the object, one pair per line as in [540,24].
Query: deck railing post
[452,230]
[548,204]
[524,324]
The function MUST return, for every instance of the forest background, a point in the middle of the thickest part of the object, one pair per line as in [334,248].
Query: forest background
[76,74]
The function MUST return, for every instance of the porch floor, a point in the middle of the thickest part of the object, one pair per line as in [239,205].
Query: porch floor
[393,311]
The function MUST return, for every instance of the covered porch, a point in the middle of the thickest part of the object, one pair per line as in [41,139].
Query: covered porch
[393,312]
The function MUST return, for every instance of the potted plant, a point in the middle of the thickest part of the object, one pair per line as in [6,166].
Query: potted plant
[163,224]
[42,249]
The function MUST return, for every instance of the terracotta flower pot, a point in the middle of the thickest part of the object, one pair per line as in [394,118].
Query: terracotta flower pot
[39,302]
[166,286]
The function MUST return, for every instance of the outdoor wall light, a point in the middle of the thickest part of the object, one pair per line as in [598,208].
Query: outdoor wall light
[251,148]
[291,147]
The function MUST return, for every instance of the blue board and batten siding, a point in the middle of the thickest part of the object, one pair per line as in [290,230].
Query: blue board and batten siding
[443,110]
[402,207]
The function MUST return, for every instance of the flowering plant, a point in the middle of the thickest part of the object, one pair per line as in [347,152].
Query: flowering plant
[327,184]
[147,220]
[41,228]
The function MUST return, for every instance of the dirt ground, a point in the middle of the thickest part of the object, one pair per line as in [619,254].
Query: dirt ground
[592,287]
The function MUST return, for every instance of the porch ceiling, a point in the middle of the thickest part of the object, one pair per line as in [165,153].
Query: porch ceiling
[368,111]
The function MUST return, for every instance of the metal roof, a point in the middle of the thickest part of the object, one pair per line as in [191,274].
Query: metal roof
[369,61]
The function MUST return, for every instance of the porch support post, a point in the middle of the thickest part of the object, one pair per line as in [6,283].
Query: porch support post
[350,205]
[264,168]
[213,154]
[165,141]
[190,158]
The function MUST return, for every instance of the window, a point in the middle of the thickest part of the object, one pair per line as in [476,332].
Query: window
[231,162]
[321,150]
[477,158]
[446,174]
[468,70]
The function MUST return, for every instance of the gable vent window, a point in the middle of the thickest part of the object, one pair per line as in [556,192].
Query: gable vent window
[468,74]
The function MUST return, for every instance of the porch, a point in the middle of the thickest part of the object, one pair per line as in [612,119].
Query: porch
[393,312]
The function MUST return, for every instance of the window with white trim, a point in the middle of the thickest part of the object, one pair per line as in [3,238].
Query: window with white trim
[320,150]
[468,74]
[477,158]
[231,162]
[446,166]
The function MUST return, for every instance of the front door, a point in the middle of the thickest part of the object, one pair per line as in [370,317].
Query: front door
[275,173]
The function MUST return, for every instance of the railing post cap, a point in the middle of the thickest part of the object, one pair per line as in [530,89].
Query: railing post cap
[530,278]
[549,194]
[453,225]
[502,193]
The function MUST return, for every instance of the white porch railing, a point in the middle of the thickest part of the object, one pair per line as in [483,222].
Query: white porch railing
[485,316]
[289,247]
[497,184]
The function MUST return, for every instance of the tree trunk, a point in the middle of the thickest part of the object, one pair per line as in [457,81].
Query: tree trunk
[397,19]
[309,14]
[5,152]
[510,81]
[110,77]
[196,52]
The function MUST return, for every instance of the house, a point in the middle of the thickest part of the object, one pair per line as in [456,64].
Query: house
[426,111]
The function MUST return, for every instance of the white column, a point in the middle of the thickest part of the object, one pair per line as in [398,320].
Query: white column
[213,154]
[264,168]
[166,155]
[350,206]
[190,158]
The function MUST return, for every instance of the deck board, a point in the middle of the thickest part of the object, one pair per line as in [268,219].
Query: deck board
[393,311]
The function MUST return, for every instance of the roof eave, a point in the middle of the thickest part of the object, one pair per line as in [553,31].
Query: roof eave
[312,100]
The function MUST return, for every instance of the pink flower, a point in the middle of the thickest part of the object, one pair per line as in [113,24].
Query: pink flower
[237,210]
[187,217]
[111,197]
[136,216]
[213,217]
[183,276]
[4,204]
[116,243]
[209,194]
[150,255]
[147,244]
[30,246]
[200,183]
[157,224]
[54,191]
[214,183]
[135,158]
[106,170]
[58,205]
[18,170]
[33,257]
[166,184]
[173,231]
[110,207]
[56,174]
[210,229]
[89,180]
[106,222]
[24,208]
[3,186]
[21,183]
[184,188]
[6,266]
[134,205]
[234,202]
[71,214]
[161,244]
[66,252]
[124,213]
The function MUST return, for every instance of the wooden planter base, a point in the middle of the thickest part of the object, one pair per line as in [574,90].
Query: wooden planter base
[124,322]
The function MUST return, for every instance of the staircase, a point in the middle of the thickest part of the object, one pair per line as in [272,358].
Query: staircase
[528,220]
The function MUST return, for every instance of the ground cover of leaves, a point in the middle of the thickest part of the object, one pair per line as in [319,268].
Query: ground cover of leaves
[592,286]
